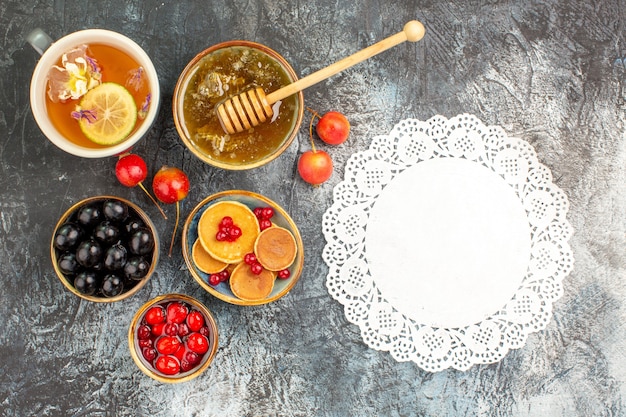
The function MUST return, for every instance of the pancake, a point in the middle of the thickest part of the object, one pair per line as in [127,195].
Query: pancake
[226,251]
[251,287]
[204,261]
[275,248]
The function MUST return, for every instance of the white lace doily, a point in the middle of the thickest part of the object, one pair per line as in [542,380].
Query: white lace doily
[447,242]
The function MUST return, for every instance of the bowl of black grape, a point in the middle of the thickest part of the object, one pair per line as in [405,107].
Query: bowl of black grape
[104,249]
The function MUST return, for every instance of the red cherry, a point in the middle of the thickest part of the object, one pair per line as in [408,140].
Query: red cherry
[130,171]
[145,343]
[167,365]
[198,343]
[158,329]
[143,332]
[149,353]
[167,344]
[155,315]
[333,128]
[171,185]
[183,330]
[176,312]
[185,365]
[192,357]
[315,166]
[205,331]
[195,321]
[180,352]
[171,329]
[284,274]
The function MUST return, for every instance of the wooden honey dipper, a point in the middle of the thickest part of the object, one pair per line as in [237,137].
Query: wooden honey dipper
[253,107]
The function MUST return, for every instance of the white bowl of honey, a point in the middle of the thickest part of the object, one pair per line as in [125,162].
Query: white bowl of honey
[223,71]
[80,63]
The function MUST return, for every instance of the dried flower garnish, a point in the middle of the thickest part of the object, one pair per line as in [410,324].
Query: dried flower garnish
[88,115]
[135,78]
[143,111]
[78,74]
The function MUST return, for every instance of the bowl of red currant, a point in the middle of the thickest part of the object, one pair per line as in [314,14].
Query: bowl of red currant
[173,338]
[243,248]
[104,249]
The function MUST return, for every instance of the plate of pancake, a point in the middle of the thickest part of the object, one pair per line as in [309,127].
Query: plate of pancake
[243,248]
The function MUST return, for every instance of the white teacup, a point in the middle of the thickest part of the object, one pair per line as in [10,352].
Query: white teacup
[51,51]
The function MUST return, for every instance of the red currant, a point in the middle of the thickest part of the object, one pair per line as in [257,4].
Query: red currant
[235,232]
[224,275]
[284,274]
[250,258]
[267,213]
[256,268]
[176,312]
[198,343]
[195,321]
[214,279]
[264,224]
[226,222]
[155,315]
[221,236]
[167,344]
[258,212]
[167,365]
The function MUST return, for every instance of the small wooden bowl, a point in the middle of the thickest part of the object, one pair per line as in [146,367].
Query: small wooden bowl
[145,366]
[55,253]
[252,200]
[179,99]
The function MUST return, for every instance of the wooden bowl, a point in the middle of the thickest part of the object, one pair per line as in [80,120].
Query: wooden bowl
[67,280]
[147,367]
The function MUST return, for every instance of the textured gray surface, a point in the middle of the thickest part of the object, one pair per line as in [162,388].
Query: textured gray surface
[550,72]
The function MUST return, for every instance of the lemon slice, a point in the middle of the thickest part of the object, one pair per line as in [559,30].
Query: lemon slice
[113,114]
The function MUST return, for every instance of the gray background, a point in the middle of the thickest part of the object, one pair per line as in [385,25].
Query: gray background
[550,72]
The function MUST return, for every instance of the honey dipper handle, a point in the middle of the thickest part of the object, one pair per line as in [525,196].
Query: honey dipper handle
[413,31]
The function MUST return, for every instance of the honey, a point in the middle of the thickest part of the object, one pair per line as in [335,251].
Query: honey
[225,73]
[115,66]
